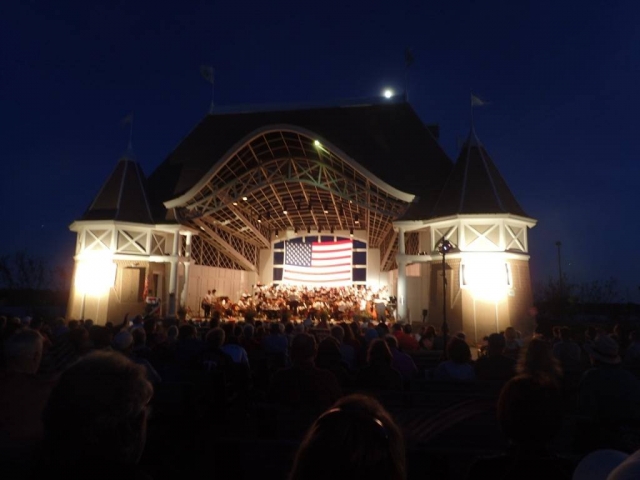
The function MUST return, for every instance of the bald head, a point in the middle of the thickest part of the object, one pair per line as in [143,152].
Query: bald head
[23,351]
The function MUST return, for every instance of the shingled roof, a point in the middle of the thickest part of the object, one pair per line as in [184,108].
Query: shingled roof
[475,185]
[388,139]
[123,197]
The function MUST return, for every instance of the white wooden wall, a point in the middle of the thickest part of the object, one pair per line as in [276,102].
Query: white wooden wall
[229,283]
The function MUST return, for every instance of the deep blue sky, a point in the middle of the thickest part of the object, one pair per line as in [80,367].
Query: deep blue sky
[562,78]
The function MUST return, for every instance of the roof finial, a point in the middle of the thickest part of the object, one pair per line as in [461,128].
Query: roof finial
[207,73]
[475,102]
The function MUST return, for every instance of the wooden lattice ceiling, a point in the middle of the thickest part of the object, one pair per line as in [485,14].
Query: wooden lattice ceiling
[284,180]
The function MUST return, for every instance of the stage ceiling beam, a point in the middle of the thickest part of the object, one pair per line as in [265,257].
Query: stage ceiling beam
[226,247]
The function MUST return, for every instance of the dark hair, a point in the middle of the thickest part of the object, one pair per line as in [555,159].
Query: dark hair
[539,362]
[565,334]
[97,411]
[530,412]
[186,332]
[303,348]
[215,337]
[458,350]
[379,353]
[354,439]
[391,341]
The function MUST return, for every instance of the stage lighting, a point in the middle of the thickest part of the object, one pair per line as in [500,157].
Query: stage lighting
[332,229]
[245,198]
[351,232]
[268,215]
[284,209]
[388,93]
[356,218]
[341,211]
[277,233]
[308,229]
[235,204]
[317,143]
[295,229]
[324,208]
[319,229]
[259,218]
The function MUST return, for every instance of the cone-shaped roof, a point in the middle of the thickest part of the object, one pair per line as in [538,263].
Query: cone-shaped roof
[123,197]
[475,185]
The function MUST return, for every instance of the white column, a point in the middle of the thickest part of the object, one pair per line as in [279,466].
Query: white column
[187,266]
[173,275]
[402,277]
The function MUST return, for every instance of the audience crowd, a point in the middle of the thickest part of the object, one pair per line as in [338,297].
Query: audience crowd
[310,397]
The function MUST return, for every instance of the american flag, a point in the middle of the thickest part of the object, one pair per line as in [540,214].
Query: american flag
[318,263]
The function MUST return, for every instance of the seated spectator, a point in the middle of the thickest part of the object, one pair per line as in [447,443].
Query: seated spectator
[538,361]
[23,396]
[427,339]
[402,362]
[355,439]
[235,351]
[406,340]
[567,351]
[513,344]
[95,420]
[303,387]
[188,347]
[458,366]
[347,352]
[608,395]
[379,374]
[123,343]
[530,415]
[494,366]
[213,357]
[329,358]
[140,348]
[276,342]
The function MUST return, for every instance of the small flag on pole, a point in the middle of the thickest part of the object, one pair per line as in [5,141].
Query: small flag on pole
[128,120]
[207,73]
[477,101]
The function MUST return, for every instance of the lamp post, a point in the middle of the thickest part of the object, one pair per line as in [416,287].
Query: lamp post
[444,247]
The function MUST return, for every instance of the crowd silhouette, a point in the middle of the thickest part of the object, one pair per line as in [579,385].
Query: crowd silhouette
[310,396]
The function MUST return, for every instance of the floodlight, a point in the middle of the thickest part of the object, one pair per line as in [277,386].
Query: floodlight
[388,93]
[317,143]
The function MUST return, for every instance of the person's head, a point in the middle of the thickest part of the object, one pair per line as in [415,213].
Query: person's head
[538,361]
[529,412]
[97,411]
[379,353]
[23,351]
[187,332]
[391,341]
[565,334]
[406,328]
[100,337]
[123,342]
[496,344]
[139,337]
[356,438]
[458,350]
[215,338]
[430,332]
[510,334]
[396,327]
[328,352]
[172,332]
[604,350]
[337,332]
[247,332]
[303,349]
[274,328]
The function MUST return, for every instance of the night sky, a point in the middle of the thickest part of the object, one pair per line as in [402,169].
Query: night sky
[563,79]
